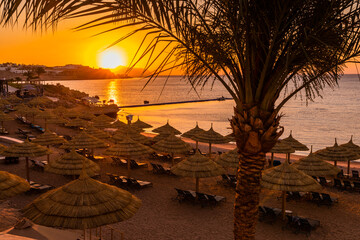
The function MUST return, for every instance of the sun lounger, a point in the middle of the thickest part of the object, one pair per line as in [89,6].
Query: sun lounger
[347,185]
[159,169]
[137,184]
[294,196]
[11,160]
[300,224]
[338,185]
[37,165]
[38,188]
[323,181]
[134,164]
[355,175]
[228,180]
[267,215]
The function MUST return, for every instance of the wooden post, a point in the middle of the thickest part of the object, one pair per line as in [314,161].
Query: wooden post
[48,156]
[172,159]
[210,150]
[348,168]
[27,169]
[283,204]
[335,163]
[197,184]
[272,160]
[197,146]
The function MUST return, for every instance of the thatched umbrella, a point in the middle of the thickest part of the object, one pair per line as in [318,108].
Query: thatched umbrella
[281,147]
[229,159]
[11,185]
[230,137]
[82,204]
[118,124]
[71,113]
[130,132]
[77,122]
[84,140]
[86,115]
[194,132]
[48,138]
[295,144]
[22,109]
[103,118]
[40,102]
[337,153]
[95,132]
[46,115]
[313,166]
[4,117]
[197,166]
[14,99]
[287,178]
[4,101]
[102,125]
[128,149]
[210,137]
[72,163]
[25,149]
[167,128]
[172,145]
[161,137]
[141,124]
[33,111]
[351,146]
[60,111]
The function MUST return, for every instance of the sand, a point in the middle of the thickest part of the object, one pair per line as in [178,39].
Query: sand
[162,217]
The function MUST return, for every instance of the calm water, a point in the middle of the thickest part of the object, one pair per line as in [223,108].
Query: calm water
[337,114]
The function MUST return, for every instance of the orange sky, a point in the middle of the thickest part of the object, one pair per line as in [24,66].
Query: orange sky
[65,46]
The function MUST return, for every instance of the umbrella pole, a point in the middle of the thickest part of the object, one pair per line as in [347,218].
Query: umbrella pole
[172,159]
[288,157]
[210,150]
[27,169]
[196,146]
[272,160]
[48,156]
[283,204]
[348,168]
[197,184]
[335,163]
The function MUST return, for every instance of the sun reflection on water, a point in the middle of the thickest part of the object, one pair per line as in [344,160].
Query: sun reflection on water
[113,92]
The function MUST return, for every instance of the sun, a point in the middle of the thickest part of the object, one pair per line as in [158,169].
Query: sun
[111,58]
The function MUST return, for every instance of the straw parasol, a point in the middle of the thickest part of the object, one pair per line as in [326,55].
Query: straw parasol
[287,178]
[4,117]
[22,109]
[141,124]
[210,136]
[25,149]
[4,102]
[40,101]
[86,115]
[167,128]
[161,137]
[102,125]
[351,146]
[14,99]
[95,132]
[45,115]
[84,140]
[281,147]
[33,111]
[103,118]
[229,159]
[197,166]
[173,145]
[48,138]
[81,204]
[230,137]
[193,132]
[129,149]
[313,166]
[118,124]
[77,122]
[60,111]
[132,133]
[337,153]
[11,185]
[295,144]
[72,163]
[71,114]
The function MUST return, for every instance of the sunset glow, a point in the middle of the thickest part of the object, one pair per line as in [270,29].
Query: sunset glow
[111,59]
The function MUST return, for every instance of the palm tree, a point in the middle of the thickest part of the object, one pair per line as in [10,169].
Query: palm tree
[258,49]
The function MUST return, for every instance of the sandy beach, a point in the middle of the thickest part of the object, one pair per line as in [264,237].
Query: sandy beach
[163,217]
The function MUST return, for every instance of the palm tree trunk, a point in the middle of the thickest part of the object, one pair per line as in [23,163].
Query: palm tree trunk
[255,133]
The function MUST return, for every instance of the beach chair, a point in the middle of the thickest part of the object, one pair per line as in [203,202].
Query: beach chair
[11,160]
[215,199]
[227,180]
[356,187]
[294,196]
[341,174]
[181,196]
[36,165]
[323,181]
[202,199]
[36,188]
[134,164]
[267,215]
[347,185]
[137,184]
[299,224]
[355,175]
[338,185]
[327,199]
[190,196]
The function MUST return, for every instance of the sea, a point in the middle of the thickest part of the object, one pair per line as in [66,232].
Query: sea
[335,115]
